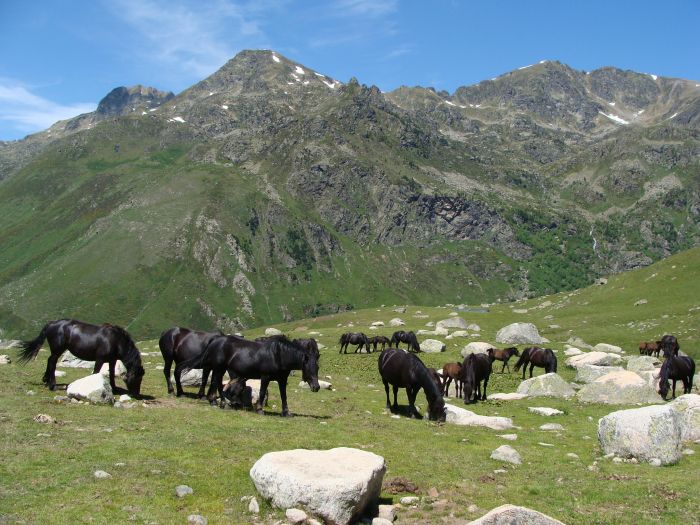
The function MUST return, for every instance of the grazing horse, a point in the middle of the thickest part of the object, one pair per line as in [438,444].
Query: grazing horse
[536,356]
[404,370]
[270,360]
[436,377]
[669,345]
[650,348]
[310,345]
[452,371]
[502,354]
[475,369]
[100,343]
[354,338]
[379,340]
[676,367]
[179,344]
[405,337]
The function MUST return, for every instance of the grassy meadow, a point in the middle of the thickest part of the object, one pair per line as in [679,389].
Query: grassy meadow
[46,474]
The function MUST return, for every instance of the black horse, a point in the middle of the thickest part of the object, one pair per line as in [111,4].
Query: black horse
[475,369]
[354,338]
[269,360]
[403,370]
[536,356]
[676,367]
[100,343]
[309,344]
[379,340]
[179,344]
[669,345]
[405,337]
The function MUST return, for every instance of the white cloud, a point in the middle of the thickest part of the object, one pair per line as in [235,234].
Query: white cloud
[197,38]
[21,111]
[366,8]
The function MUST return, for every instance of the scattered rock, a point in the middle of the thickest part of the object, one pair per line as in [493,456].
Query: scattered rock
[377,323]
[647,433]
[119,369]
[551,426]
[432,346]
[253,506]
[399,485]
[272,331]
[381,521]
[578,342]
[619,388]
[545,444]
[519,333]
[687,452]
[325,385]
[5,359]
[94,388]
[400,310]
[124,398]
[337,484]
[196,519]
[461,416]
[409,500]
[60,373]
[472,508]
[396,322]
[68,360]
[508,437]
[545,411]
[474,327]
[640,302]
[387,512]
[570,352]
[183,490]
[433,492]
[101,474]
[589,373]
[510,396]
[295,516]
[642,363]
[506,453]
[547,385]
[453,322]
[572,455]
[610,349]
[476,347]
[514,515]
[594,358]
[44,418]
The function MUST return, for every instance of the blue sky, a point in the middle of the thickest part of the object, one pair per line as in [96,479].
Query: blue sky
[59,58]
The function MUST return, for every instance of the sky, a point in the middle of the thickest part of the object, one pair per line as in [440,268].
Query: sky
[60,57]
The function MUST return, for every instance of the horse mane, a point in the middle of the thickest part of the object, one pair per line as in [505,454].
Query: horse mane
[131,357]
[432,391]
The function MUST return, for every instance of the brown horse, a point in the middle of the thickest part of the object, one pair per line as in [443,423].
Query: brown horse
[650,348]
[452,372]
[536,356]
[502,354]
[379,340]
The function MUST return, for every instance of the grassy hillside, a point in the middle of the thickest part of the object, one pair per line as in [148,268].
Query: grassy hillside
[46,474]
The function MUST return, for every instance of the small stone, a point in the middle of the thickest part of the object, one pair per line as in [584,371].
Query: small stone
[472,508]
[295,516]
[687,451]
[395,416]
[196,519]
[101,474]
[509,437]
[387,512]
[617,460]
[545,411]
[253,506]
[313,521]
[124,398]
[655,462]
[506,453]
[572,455]
[409,500]
[120,464]
[634,461]
[381,521]
[500,471]
[545,444]
[551,426]
[43,435]
[592,468]
[433,492]
[183,490]
[44,418]
[31,393]
[609,456]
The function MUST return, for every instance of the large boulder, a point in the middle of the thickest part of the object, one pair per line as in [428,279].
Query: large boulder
[519,334]
[651,377]
[94,388]
[272,331]
[432,346]
[191,377]
[578,342]
[572,351]
[610,349]
[589,373]
[594,358]
[642,363]
[119,369]
[396,322]
[461,416]
[547,385]
[619,388]
[476,347]
[647,433]
[337,484]
[689,407]
[453,322]
[514,515]
[68,360]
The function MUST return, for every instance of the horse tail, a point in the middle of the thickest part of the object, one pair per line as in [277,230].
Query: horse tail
[196,361]
[30,349]
[522,360]
[554,363]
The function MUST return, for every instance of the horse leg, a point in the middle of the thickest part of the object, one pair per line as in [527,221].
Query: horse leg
[459,387]
[532,366]
[396,392]
[166,373]
[446,390]
[97,367]
[112,365]
[264,382]
[483,395]
[412,393]
[674,389]
[178,383]
[216,377]
[205,378]
[51,370]
[282,382]
[505,364]
[386,389]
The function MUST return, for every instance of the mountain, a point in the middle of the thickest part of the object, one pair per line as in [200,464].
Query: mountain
[269,191]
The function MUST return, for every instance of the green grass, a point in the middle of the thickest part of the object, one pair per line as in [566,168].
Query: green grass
[169,441]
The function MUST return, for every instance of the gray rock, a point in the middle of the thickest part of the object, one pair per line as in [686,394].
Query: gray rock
[336,484]
[409,500]
[387,512]
[578,342]
[551,426]
[508,454]
[519,333]
[272,331]
[253,506]
[642,363]
[545,411]
[295,516]
[589,373]
[400,310]
[325,385]
[381,521]
[461,416]
[594,358]
[119,369]
[44,419]
[547,385]
[196,519]
[619,388]
[610,349]
[474,327]
[475,347]
[453,322]
[396,322]
[68,360]
[647,433]
[94,388]
[432,346]
[509,396]
[5,359]
[570,352]
[183,490]
[508,437]
[514,515]
[688,406]
[101,474]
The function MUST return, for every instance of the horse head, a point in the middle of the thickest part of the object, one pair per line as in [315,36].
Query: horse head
[134,376]
[436,410]
[468,378]
[309,371]
[664,387]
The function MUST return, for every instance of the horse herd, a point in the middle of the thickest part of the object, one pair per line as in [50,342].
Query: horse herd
[273,358]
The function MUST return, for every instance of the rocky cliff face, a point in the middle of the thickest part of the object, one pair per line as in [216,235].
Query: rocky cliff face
[269,191]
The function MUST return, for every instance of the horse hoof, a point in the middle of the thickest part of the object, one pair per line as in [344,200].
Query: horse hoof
[52,387]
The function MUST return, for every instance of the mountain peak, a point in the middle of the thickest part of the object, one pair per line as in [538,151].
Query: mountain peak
[123,100]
